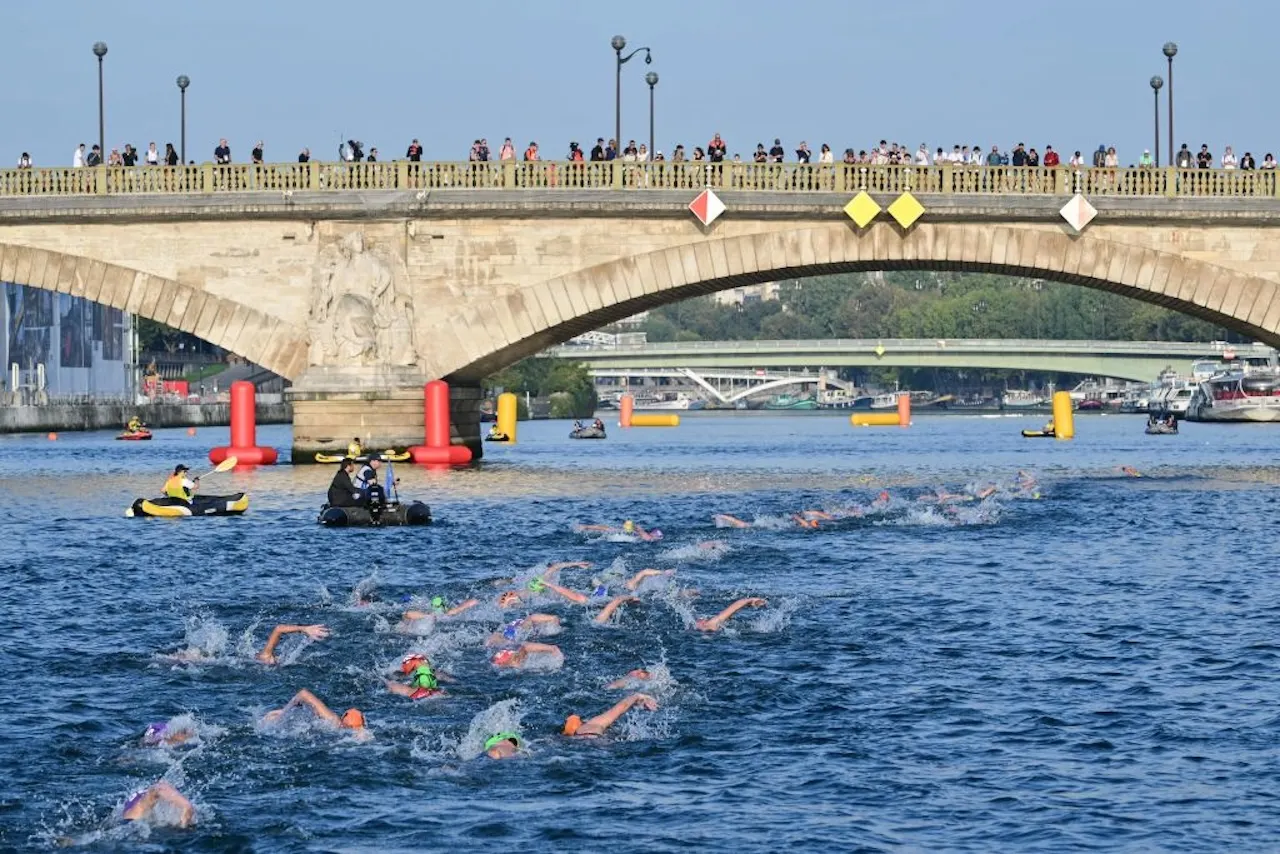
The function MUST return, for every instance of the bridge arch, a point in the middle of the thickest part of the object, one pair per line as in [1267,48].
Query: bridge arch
[482,340]
[226,323]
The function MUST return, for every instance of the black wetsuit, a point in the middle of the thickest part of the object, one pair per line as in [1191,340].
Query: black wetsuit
[342,492]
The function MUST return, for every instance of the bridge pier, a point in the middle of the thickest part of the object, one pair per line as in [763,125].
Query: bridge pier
[382,406]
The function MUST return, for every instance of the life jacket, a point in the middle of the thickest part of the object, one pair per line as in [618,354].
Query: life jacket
[354,450]
[577,155]
[174,488]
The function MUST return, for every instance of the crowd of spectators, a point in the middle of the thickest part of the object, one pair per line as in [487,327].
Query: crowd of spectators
[715,151]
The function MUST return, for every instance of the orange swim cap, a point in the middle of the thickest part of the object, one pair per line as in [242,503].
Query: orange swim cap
[572,724]
[353,719]
[411,661]
[503,657]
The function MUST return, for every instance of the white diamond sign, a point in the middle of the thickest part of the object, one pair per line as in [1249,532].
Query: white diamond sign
[1078,212]
[707,207]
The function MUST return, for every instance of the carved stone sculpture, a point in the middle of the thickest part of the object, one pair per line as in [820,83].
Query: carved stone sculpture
[361,311]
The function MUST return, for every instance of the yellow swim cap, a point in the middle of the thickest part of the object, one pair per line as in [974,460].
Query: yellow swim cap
[628,526]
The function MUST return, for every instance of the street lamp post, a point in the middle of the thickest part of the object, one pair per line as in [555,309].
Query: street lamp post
[1170,51]
[100,50]
[652,79]
[618,43]
[183,82]
[1156,83]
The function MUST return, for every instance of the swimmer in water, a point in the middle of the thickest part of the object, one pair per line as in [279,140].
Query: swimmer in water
[629,528]
[534,625]
[160,734]
[142,806]
[607,612]
[424,682]
[629,682]
[716,623]
[643,575]
[439,608]
[268,656]
[724,520]
[598,725]
[503,745]
[1131,471]
[518,659]
[810,518]
[352,719]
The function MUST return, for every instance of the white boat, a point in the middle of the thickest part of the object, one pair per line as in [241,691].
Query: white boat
[667,402]
[838,398]
[887,400]
[1240,395]
[1019,399]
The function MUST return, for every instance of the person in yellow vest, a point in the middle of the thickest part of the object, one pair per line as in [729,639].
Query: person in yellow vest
[134,425]
[179,485]
[354,449]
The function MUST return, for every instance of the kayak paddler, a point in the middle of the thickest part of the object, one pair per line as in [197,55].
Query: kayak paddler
[179,485]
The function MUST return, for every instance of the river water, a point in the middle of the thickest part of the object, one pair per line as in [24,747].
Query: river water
[1090,662]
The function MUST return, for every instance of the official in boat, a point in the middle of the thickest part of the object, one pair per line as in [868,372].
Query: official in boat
[179,485]
[342,492]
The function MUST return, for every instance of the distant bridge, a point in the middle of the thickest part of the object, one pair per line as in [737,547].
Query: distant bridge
[1127,360]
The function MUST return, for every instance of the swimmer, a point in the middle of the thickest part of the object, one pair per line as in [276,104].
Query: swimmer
[315,633]
[607,612]
[596,726]
[724,520]
[1131,471]
[160,734]
[984,494]
[534,625]
[810,518]
[541,585]
[142,806]
[439,608]
[424,682]
[629,681]
[629,528]
[716,623]
[352,719]
[504,745]
[645,574]
[518,659]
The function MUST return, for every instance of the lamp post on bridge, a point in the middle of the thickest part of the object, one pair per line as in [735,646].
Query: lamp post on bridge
[183,82]
[652,79]
[100,50]
[619,43]
[1170,51]
[1156,83]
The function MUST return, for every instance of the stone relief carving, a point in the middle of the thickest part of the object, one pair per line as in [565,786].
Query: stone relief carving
[361,310]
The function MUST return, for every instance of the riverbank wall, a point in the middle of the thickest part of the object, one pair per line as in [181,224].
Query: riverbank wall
[62,418]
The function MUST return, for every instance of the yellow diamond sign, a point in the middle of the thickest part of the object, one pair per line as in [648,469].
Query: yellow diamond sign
[862,209]
[879,351]
[906,210]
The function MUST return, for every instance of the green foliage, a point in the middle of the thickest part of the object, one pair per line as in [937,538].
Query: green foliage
[567,384]
[928,305]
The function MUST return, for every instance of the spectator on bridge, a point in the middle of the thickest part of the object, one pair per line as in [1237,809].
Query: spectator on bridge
[776,154]
[414,152]
[1229,159]
[373,155]
[597,151]
[1019,155]
[153,155]
[1247,162]
[825,156]
[222,153]
[1204,160]
[642,153]
[963,159]
[130,156]
[1112,160]
[993,159]
[508,151]
[531,153]
[716,149]
[975,157]
[256,154]
[629,153]
[1183,160]
[24,162]
[698,154]
[304,156]
[1268,162]
[94,158]
[1033,158]
[1145,160]
[611,150]
[170,155]
[473,155]
[484,150]
[77,159]
[803,155]
[355,151]
[115,159]
[658,158]
[677,154]
[760,155]
[922,155]
[1076,161]
[1100,157]
[575,153]
[1051,158]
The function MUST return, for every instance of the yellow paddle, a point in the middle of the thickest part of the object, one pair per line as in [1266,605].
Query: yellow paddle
[226,465]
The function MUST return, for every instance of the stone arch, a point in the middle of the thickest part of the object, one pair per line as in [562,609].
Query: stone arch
[480,340]
[226,323]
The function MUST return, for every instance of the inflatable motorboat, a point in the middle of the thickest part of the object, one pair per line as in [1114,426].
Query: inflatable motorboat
[495,436]
[134,435]
[588,432]
[1037,434]
[200,505]
[389,515]
[1161,428]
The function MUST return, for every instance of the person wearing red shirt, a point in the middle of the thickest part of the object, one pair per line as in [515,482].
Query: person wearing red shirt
[1051,156]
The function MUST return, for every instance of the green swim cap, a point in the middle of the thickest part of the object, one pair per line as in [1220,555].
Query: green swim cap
[536,585]
[423,677]
[495,740]
[437,603]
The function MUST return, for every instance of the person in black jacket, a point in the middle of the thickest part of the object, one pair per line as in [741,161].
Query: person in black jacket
[342,492]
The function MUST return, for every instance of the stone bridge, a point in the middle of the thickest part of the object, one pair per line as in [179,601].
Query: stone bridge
[359,282]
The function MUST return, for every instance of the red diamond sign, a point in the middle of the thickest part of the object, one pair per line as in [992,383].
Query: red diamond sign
[707,207]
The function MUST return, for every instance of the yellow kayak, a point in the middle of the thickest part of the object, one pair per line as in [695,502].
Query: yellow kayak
[385,456]
[201,505]
[1036,434]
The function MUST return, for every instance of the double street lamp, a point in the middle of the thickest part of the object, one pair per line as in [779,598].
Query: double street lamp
[619,43]
[1156,83]
[1170,51]
[183,82]
[652,79]
[100,50]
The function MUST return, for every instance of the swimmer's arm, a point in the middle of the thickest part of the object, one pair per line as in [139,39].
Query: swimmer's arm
[410,616]
[571,595]
[400,688]
[626,681]
[717,622]
[267,656]
[579,564]
[817,514]
[617,602]
[543,619]
[642,575]
[306,698]
[604,720]
[464,606]
[529,647]
[171,796]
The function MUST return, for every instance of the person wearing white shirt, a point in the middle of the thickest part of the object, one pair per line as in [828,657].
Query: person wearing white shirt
[1076,161]
[1229,159]
[922,155]
[77,159]
[642,153]
[825,156]
[1110,159]
[153,156]
[975,156]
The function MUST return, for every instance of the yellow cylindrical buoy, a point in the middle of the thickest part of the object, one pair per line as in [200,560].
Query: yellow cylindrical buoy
[655,420]
[874,419]
[904,409]
[626,406]
[507,408]
[1064,424]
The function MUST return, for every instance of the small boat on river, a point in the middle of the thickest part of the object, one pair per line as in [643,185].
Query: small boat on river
[142,435]
[588,432]
[200,505]
[390,515]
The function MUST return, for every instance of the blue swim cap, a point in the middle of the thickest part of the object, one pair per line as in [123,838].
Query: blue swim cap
[600,591]
[154,733]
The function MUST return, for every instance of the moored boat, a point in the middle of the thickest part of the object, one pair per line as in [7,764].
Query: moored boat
[790,402]
[1239,396]
[387,516]
[134,436]
[201,505]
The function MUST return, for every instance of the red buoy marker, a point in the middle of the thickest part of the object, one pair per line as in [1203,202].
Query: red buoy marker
[244,431]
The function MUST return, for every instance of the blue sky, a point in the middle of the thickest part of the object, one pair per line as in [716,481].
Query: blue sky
[1070,74]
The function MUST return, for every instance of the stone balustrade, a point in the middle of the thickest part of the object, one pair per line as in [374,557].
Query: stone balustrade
[793,178]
